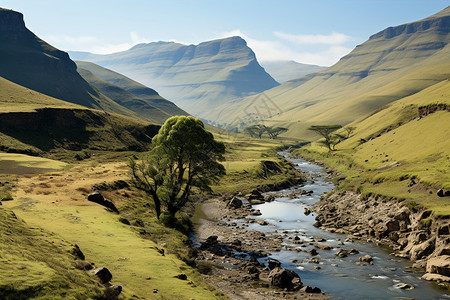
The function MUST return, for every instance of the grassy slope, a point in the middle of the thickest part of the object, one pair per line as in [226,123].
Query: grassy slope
[420,146]
[385,68]
[142,108]
[139,90]
[14,98]
[57,203]
[28,271]
[244,164]
[93,130]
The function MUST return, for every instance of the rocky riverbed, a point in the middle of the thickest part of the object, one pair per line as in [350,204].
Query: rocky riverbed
[236,235]
[228,254]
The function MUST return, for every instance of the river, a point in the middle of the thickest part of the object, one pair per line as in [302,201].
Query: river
[341,278]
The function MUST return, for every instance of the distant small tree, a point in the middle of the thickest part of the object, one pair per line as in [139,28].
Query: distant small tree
[349,130]
[325,131]
[274,132]
[256,130]
[183,156]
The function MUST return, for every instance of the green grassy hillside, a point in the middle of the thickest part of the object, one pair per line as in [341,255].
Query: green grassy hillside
[144,93]
[142,108]
[197,78]
[392,64]
[28,271]
[400,151]
[34,123]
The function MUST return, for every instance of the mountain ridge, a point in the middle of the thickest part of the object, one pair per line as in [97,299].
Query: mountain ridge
[196,77]
[375,73]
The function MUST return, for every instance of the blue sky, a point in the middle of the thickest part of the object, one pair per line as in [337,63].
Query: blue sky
[313,31]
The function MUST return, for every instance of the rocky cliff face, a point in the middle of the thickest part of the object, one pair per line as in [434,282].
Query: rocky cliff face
[29,61]
[196,77]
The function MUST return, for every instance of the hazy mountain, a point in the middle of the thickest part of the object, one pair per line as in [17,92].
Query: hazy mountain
[30,62]
[198,78]
[285,70]
[393,63]
[143,94]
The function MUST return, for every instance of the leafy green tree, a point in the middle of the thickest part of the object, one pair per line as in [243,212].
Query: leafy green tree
[325,131]
[183,156]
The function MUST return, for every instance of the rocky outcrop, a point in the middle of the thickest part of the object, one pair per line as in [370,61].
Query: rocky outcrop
[285,279]
[98,198]
[411,234]
[103,274]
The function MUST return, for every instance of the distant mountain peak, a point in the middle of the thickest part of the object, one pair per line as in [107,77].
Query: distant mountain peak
[196,77]
[11,20]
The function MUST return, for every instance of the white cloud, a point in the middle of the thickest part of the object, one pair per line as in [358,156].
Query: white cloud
[136,39]
[334,38]
[94,44]
[325,53]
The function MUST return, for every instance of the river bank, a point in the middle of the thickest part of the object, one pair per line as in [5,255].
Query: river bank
[234,241]
[228,254]
[411,234]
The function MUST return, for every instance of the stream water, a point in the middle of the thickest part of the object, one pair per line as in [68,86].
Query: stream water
[341,278]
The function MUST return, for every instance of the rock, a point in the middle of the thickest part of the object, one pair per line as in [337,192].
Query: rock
[109,204]
[235,202]
[124,221]
[422,250]
[96,197]
[285,279]
[103,274]
[366,258]
[404,286]
[262,222]
[311,290]
[440,193]
[256,213]
[112,292]
[439,265]
[269,198]
[435,277]
[77,252]
[353,252]
[392,225]
[181,276]
[307,211]
[255,201]
[317,224]
[322,247]
[255,194]
[273,263]
[313,252]
[342,253]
